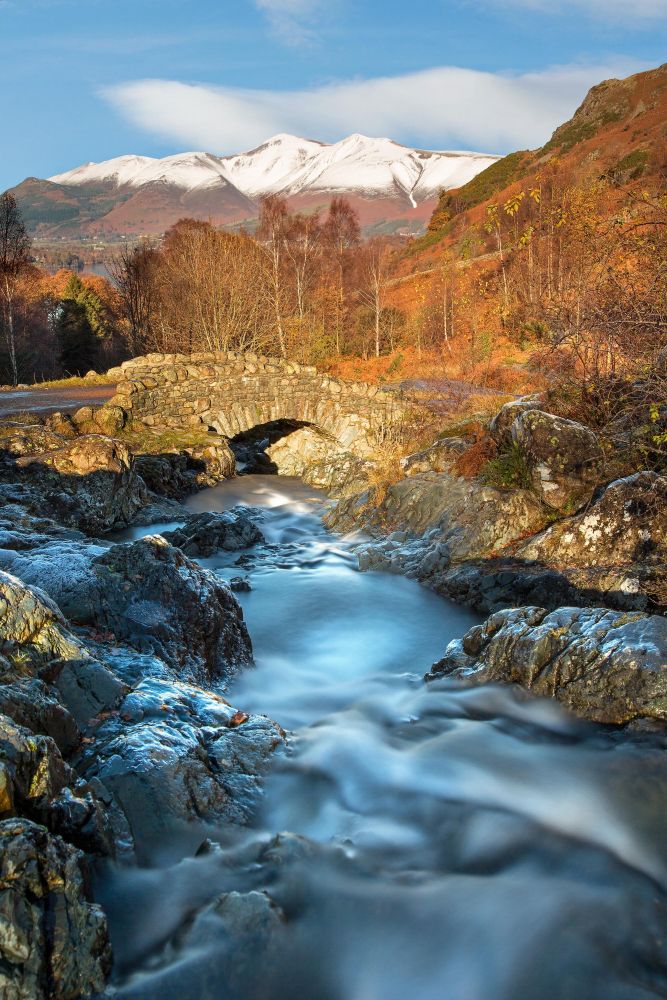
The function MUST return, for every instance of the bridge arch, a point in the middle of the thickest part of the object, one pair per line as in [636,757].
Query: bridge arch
[233,393]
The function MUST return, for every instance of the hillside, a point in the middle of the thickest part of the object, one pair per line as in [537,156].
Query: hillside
[390,186]
[618,134]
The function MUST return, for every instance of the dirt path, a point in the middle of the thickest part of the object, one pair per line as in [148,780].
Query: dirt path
[50,400]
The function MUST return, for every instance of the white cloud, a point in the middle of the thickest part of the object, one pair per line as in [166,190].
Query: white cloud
[437,108]
[291,20]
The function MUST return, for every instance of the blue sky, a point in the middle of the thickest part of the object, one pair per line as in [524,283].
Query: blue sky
[90,79]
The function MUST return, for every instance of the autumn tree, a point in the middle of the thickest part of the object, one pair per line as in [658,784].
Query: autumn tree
[373,288]
[15,249]
[133,271]
[272,233]
[210,291]
[341,237]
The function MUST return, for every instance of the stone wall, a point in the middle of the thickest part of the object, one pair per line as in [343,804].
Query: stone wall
[232,393]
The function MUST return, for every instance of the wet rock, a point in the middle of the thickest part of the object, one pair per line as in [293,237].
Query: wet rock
[36,706]
[489,585]
[167,475]
[54,942]
[35,784]
[36,644]
[617,548]
[147,593]
[175,755]
[151,595]
[564,458]
[31,625]
[61,568]
[240,585]
[205,534]
[607,666]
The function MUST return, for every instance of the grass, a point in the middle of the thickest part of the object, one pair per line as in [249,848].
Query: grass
[74,382]
[143,441]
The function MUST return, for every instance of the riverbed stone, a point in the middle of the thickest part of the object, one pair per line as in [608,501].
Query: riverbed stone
[175,757]
[151,595]
[54,943]
[204,534]
[606,666]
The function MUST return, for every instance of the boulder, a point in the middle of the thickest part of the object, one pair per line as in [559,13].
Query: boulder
[212,462]
[35,784]
[319,460]
[62,568]
[83,455]
[86,483]
[177,474]
[205,534]
[168,475]
[606,666]
[37,707]
[151,595]
[174,756]
[501,425]
[54,943]
[36,644]
[617,549]
[563,458]
[146,593]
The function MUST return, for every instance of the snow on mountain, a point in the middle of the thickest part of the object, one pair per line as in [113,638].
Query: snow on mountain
[264,170]
[188,171]
[286,164]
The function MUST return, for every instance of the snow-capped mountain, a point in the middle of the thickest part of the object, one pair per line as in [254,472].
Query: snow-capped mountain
[188,171]
[388,184]
[286,164]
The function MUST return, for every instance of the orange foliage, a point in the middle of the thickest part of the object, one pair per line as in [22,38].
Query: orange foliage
[471,462]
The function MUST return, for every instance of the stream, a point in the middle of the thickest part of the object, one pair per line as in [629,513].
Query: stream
[436,843]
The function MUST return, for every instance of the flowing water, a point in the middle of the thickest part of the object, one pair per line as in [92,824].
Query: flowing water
[440,843]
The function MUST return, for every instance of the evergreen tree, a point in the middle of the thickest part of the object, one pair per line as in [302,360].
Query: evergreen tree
[79,348]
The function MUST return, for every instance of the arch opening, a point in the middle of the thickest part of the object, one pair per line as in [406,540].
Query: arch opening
[250,447]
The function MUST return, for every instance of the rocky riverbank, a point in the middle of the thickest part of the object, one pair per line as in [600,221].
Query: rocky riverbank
[558,537]
[116,740]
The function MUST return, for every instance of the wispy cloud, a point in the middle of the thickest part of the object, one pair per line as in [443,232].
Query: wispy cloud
[291,20]
[611,11]
[440,108]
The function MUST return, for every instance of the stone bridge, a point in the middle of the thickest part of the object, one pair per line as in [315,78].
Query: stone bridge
[232,393]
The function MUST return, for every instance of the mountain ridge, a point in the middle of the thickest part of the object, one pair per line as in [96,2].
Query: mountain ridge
[133,194]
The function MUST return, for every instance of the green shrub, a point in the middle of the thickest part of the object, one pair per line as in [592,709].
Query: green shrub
[508,471]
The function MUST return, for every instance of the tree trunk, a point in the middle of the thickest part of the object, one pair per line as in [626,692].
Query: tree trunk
[9,331]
